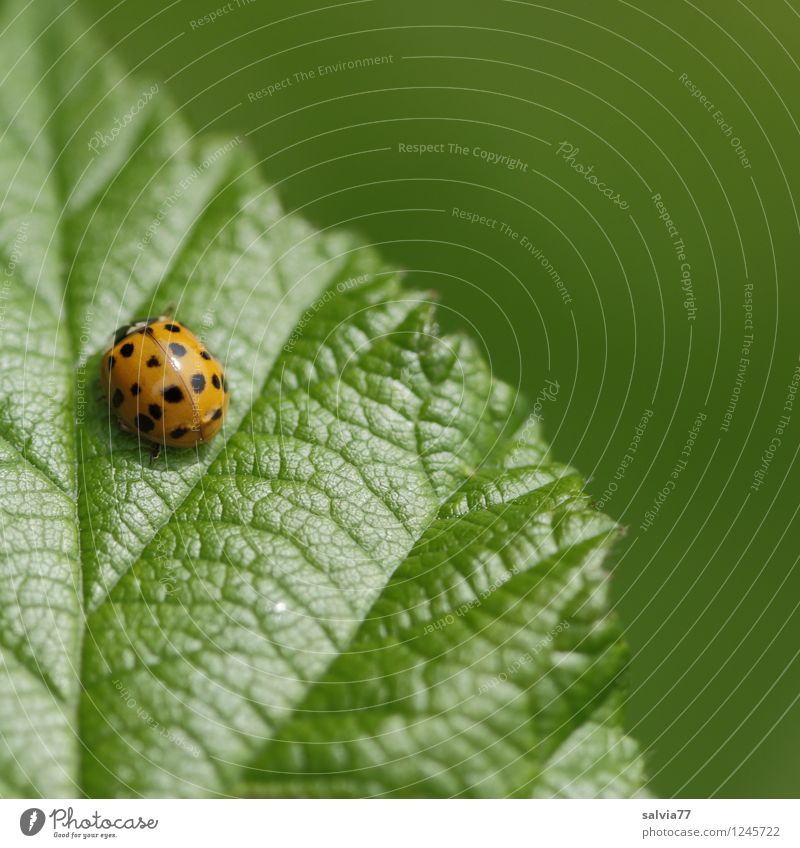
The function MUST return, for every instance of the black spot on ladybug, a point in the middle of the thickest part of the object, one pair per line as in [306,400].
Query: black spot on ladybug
[178,432]
[153,362]
[224,383]
[198,382]
[215,381]
[118,398]
[217,414]
[135,389]
[155,410]
[111,361]
[126,350]
[144,423]
[177,349]
[205,354]
[173,394]
[172,328]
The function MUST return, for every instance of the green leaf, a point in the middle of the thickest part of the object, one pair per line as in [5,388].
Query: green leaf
[487,659]
[368,584]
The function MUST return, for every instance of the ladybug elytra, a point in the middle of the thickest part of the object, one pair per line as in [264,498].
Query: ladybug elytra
[163,384]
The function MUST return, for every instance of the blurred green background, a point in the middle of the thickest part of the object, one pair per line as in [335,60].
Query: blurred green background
[685,309]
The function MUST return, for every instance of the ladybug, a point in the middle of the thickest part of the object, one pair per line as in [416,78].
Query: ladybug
[163,384]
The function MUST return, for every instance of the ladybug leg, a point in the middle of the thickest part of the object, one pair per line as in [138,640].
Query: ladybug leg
[155,452]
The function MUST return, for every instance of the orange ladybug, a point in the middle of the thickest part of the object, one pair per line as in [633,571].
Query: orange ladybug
[163,384]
